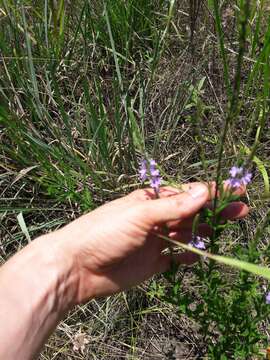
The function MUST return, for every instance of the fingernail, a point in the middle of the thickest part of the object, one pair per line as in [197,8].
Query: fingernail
[197,191]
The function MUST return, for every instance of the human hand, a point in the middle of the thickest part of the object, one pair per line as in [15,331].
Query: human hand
[118,246]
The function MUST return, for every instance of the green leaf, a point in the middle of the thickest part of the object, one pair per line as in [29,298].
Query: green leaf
[238,264]
[23,226]
[262,169]
[136,132]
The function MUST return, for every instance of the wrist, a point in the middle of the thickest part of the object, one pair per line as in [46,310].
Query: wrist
[37,288]
[47,271]
[69,246]
[60,268]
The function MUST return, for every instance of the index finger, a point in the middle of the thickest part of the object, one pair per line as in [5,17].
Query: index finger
[167,191]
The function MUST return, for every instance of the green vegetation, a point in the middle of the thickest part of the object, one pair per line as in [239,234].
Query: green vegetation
[88,88]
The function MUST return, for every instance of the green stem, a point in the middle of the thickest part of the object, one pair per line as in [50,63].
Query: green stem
[244,16]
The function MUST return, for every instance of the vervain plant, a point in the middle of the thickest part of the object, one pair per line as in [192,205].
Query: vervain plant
[229,308]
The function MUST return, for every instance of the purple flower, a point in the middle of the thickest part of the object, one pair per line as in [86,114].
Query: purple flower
[152,164]
[239,176]
[236,171]
[148,170]
[234,183]
[155,178]
[143,170]
[154,172]
[267,298]
[246,179]
[198,243]
[155,183]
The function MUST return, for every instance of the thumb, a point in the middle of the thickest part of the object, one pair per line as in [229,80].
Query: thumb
[179,206]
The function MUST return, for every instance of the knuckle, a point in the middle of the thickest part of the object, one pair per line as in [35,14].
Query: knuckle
[176,202]
[181,205]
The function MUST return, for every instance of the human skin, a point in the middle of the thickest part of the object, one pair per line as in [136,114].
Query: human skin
[108,250]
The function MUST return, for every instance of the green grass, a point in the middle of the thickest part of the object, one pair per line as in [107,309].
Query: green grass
[87,89]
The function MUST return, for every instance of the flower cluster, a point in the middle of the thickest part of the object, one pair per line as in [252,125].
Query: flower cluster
[239,176]
[267,298]
[148,171]
[197,242]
